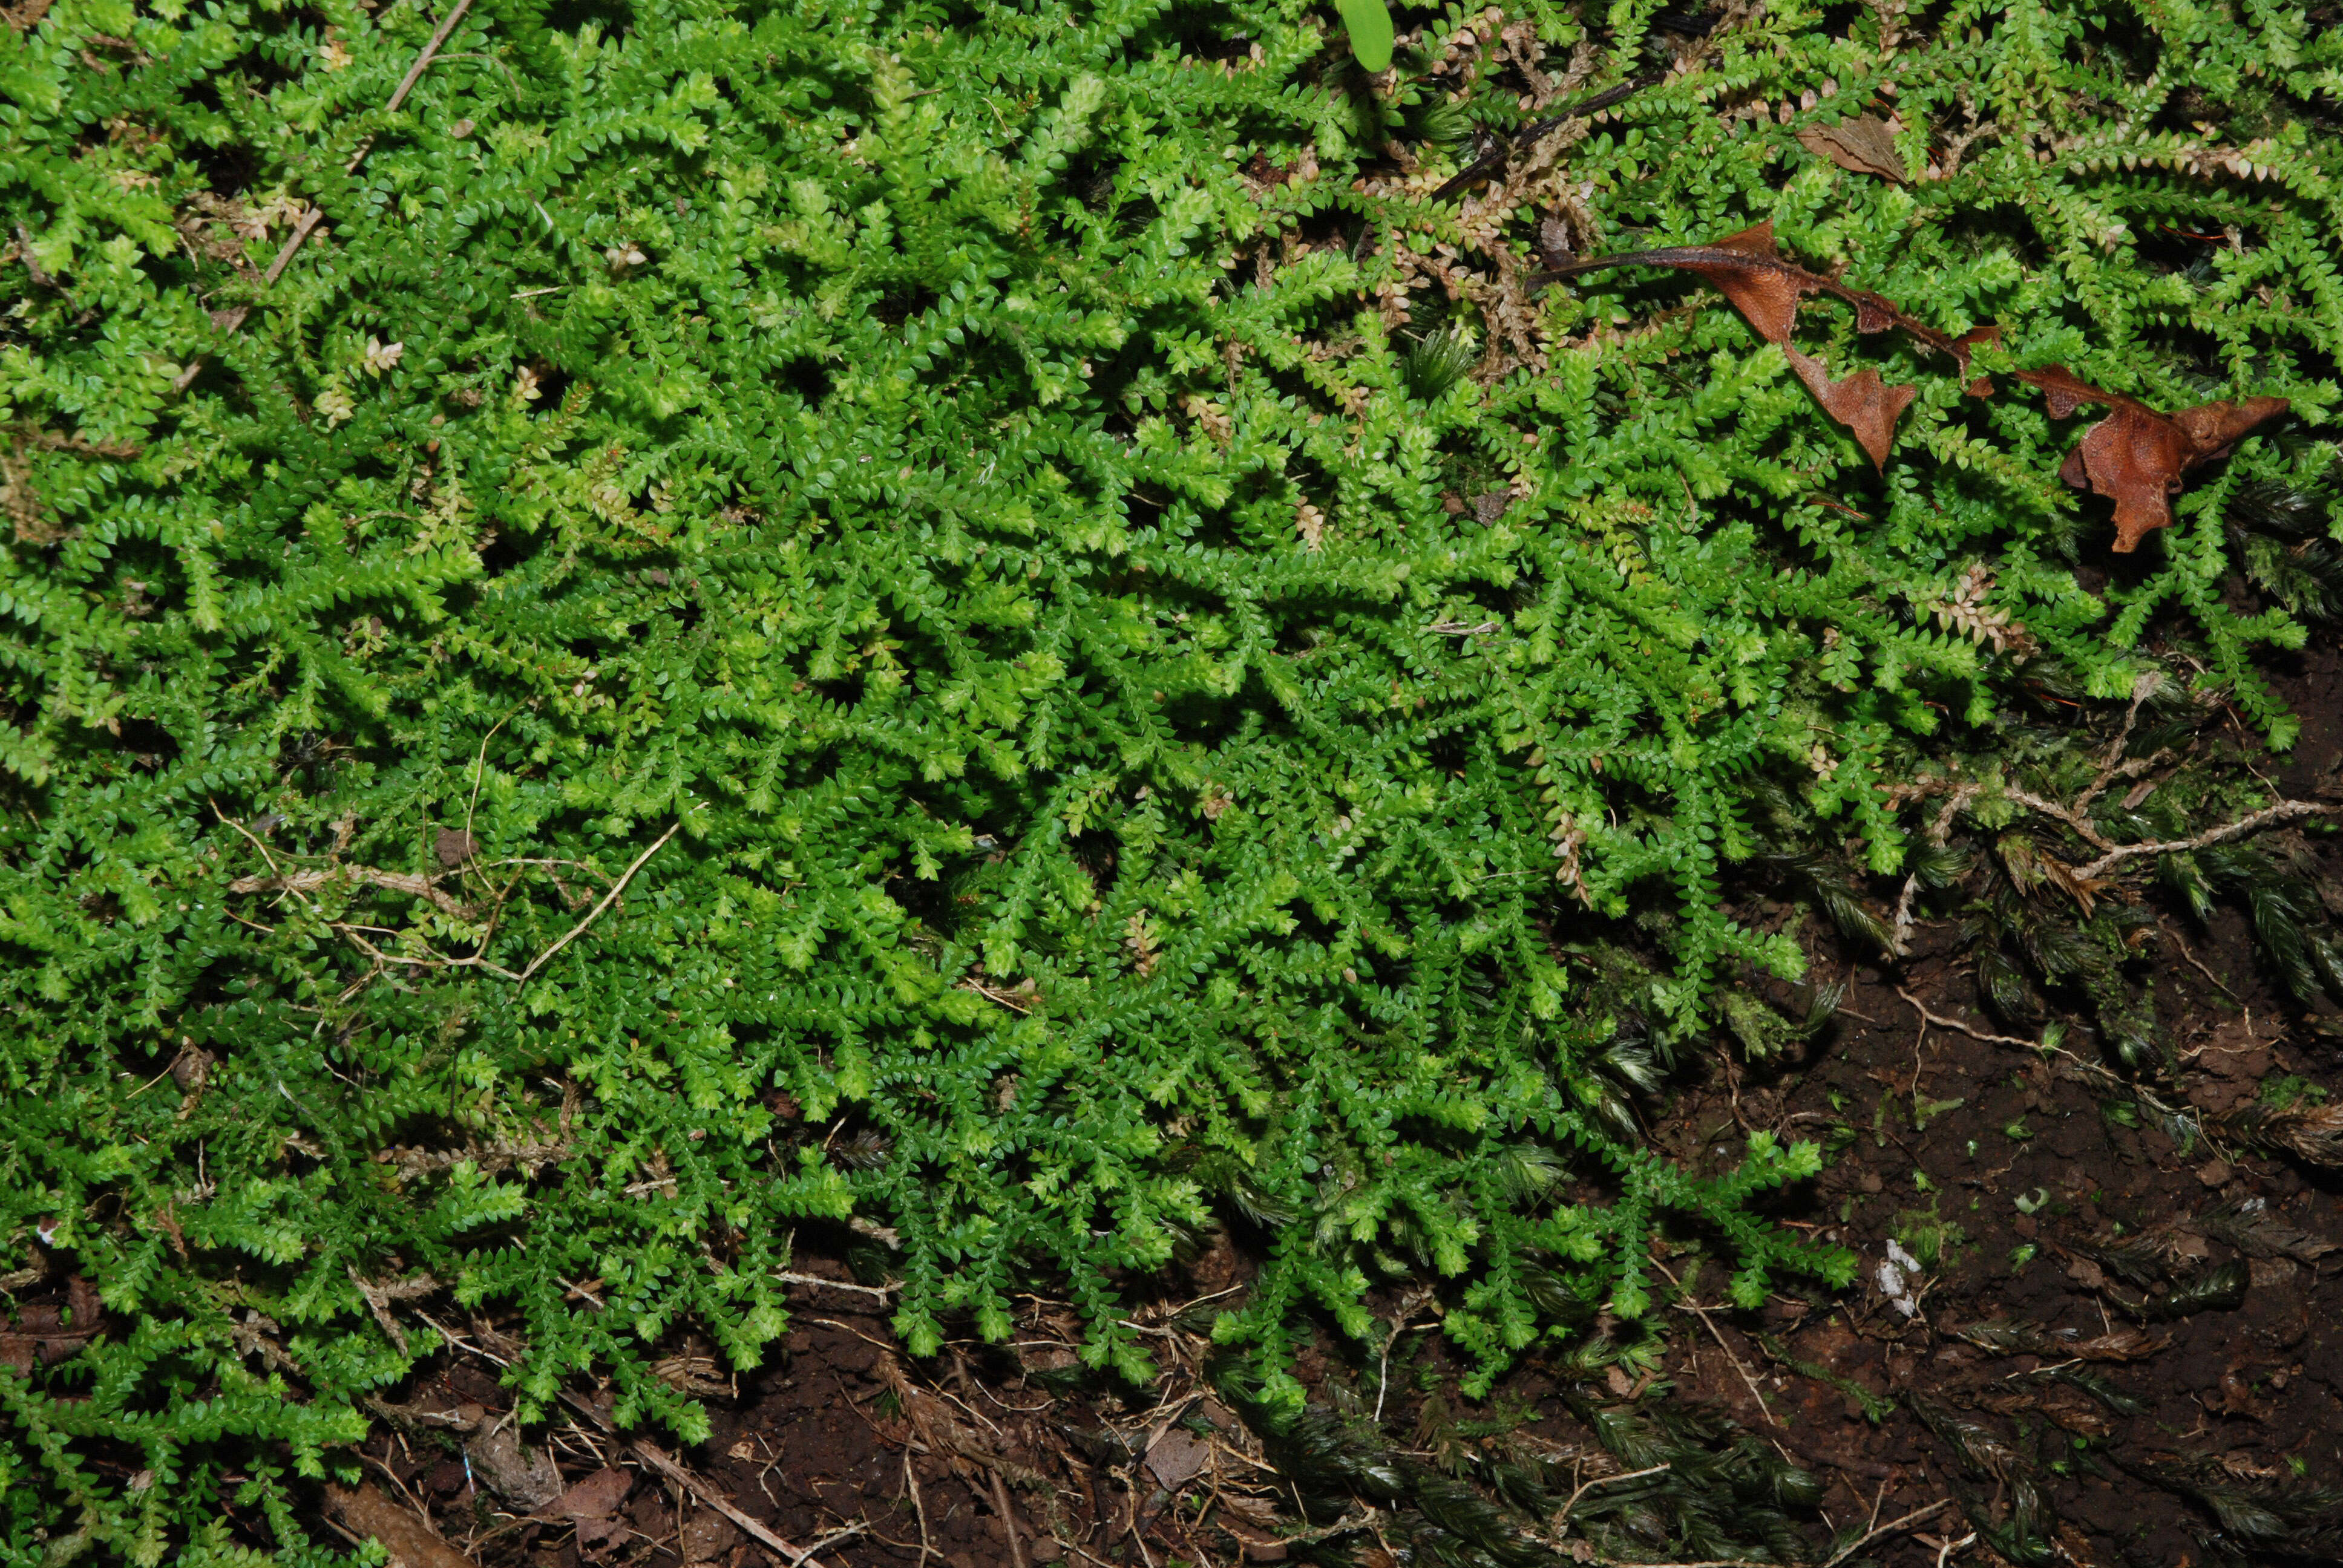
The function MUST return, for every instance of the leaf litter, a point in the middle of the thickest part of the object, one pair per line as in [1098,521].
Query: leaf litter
[2136,457]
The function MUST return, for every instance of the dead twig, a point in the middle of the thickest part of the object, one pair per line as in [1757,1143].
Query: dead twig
[2253,822]
[1494,161]
[41,280]
[1349,1524]
[608,899]
[1561,1518]
[410,1537]
[2069,814]
[1900,931]
[882,1292]
[378,1298]
[1945,1549]
[2090,1071]
[1008,1521]
[919,1509]
[301,883]
[315,215]
[2194,963]
[1941,1021]
[1890,1528]
[1707,1561]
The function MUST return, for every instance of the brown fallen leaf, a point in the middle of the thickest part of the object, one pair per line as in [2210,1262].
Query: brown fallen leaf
[596,1497]
[2135,456]
[593,1506]
[1747,269]
[46,1336]
[1177,1456]
[1865,145]
[1863,402]
[404,1534]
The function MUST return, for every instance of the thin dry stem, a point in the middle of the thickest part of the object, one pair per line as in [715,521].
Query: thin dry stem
[608,899]
[1890,1528]
[882,1292]
[1703,1313]
[2254,822]
[918,1508]
[1008,1521]
[1563,1517]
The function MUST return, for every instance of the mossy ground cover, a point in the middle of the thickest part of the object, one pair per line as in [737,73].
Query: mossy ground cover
[991,622]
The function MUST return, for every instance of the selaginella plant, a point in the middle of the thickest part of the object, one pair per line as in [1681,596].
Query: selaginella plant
[630,625]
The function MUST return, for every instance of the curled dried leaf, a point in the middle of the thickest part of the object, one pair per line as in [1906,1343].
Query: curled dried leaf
[2136,457]
[1863,402]
[1865,145]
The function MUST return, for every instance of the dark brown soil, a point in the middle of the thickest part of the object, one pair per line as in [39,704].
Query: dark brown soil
[2023,1182]
[2259,1387]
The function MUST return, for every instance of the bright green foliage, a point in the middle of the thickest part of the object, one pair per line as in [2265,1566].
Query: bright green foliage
[978,479]
[1368,24]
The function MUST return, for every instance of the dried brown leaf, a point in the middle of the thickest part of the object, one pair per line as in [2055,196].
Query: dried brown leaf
[1960,347]
[47,1337]
[2064,390]
[2135,456]
[1865,145]
[1177,1456]
[407,1535]
[596,1497]
[1747,269]
[1863,402]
